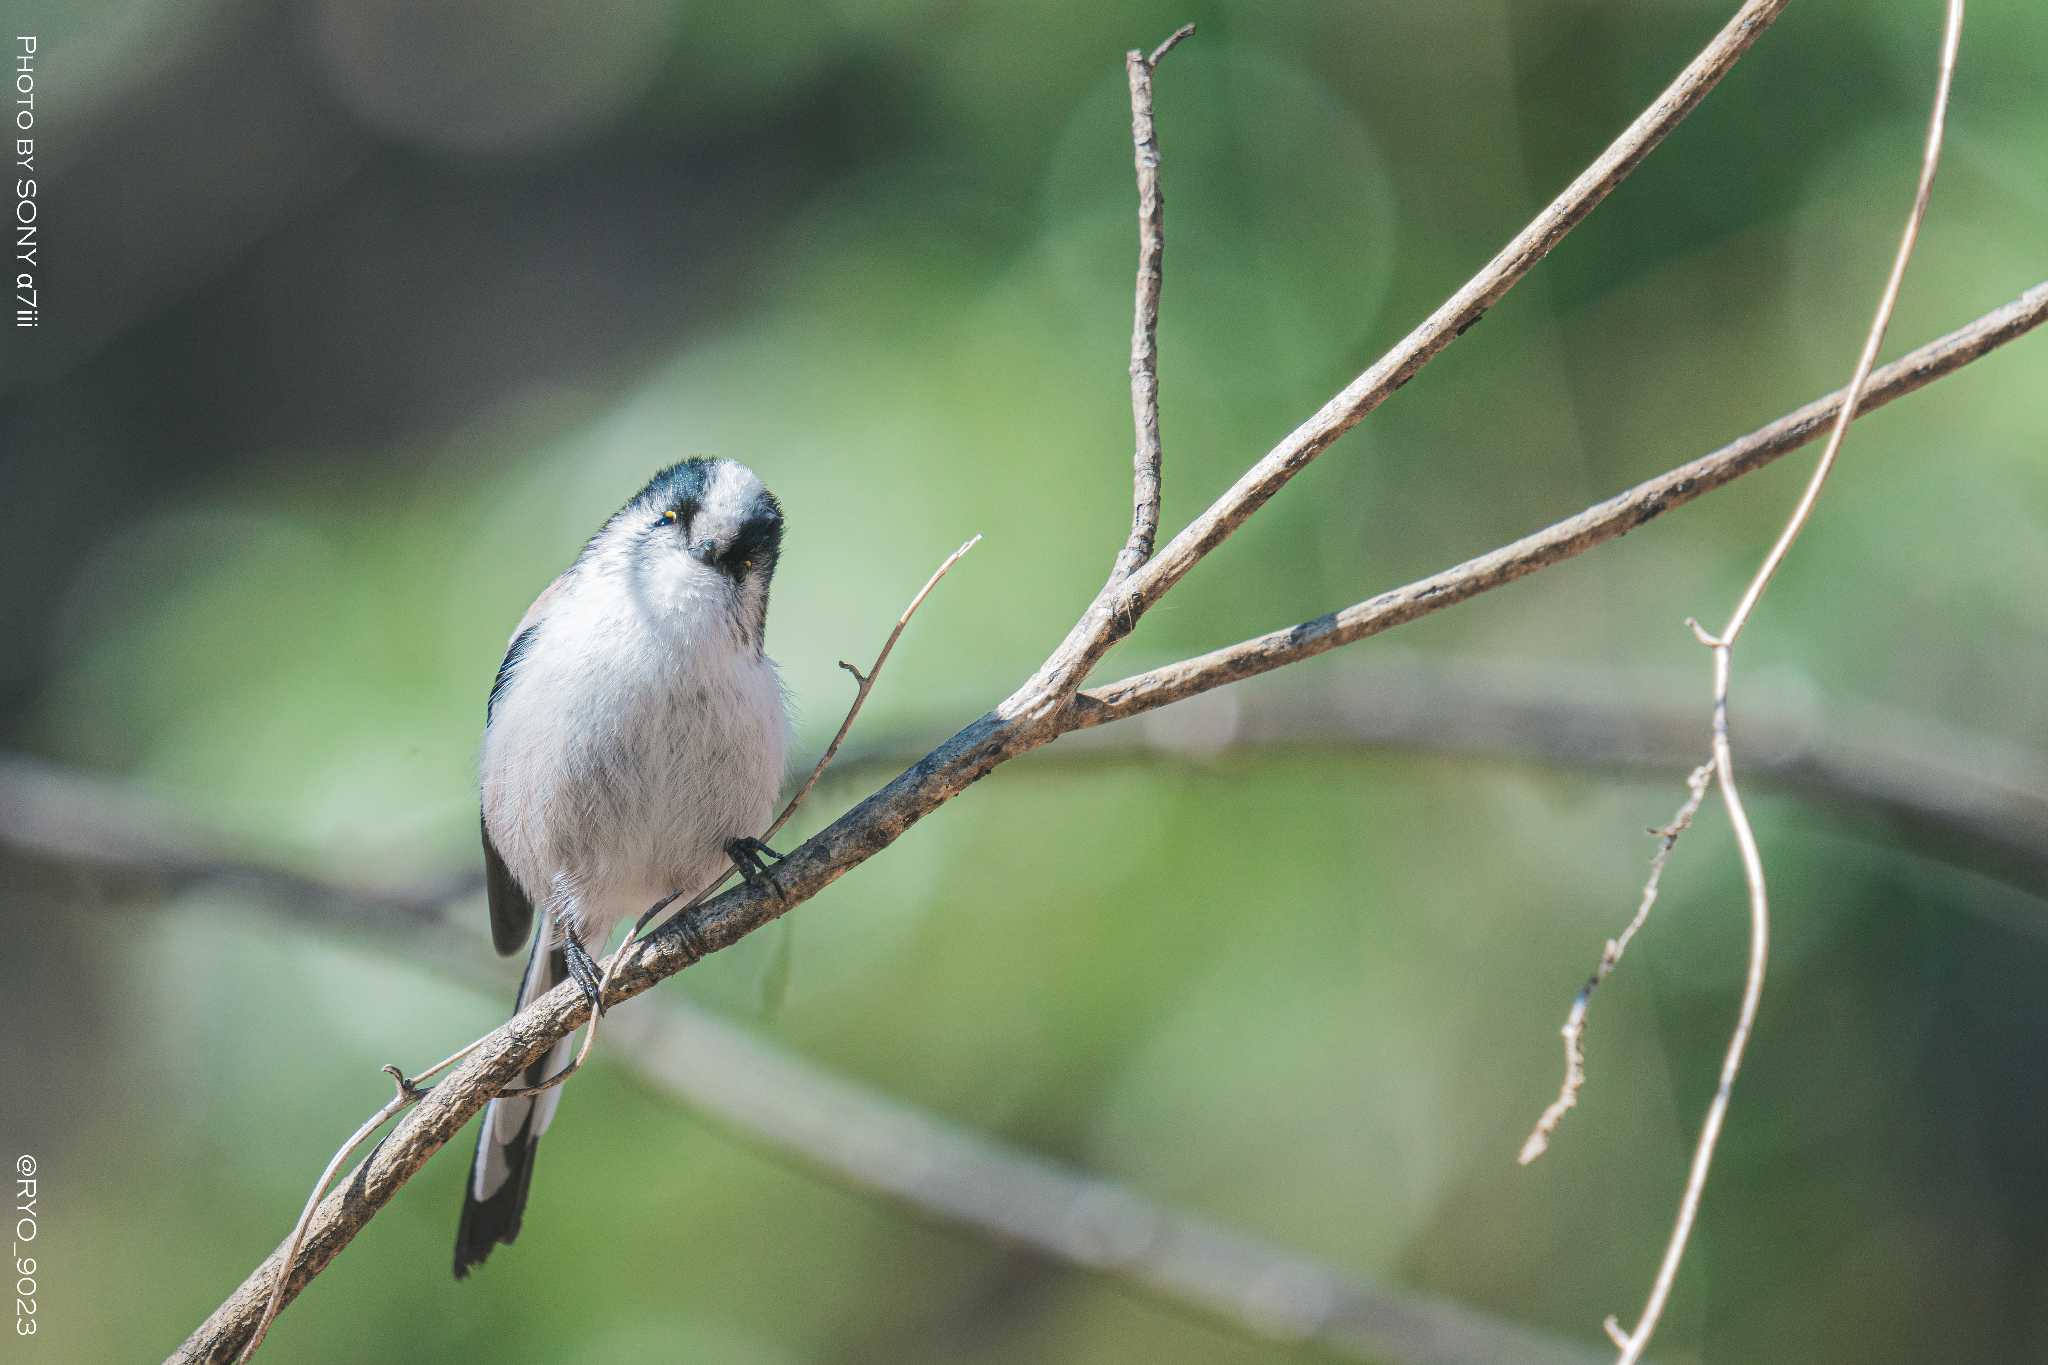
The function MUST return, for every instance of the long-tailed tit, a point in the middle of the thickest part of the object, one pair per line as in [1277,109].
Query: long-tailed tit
[633,747]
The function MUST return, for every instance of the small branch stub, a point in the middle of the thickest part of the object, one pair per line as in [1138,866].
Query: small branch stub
[1173,40]
[1574,1030]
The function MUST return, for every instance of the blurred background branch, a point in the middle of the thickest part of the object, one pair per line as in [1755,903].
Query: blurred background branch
[841,1129]
[1952,793]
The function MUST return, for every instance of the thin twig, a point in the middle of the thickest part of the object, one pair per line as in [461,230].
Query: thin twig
[1173,40]
[407,1094]
[863,683]
[1633,1343]
[1574,1030]
[575,1064]
[1930,159]
[1148,456]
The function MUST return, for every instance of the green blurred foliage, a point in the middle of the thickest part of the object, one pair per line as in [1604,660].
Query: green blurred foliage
[348,352]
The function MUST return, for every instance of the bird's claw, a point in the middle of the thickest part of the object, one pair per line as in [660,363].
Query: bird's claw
[584,970]
[751,857]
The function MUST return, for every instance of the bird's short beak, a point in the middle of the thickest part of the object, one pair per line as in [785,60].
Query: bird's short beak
[705,552]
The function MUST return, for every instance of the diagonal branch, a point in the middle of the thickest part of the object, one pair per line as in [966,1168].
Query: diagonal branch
[1596,525]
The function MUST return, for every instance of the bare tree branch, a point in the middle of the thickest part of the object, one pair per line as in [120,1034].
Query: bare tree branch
[1117,608]
[85,820]
[1597,525]
[1034,714]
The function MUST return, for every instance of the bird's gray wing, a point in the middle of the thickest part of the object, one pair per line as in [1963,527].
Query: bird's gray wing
[511,910]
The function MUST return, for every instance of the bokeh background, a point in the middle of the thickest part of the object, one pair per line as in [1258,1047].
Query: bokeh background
[360,315]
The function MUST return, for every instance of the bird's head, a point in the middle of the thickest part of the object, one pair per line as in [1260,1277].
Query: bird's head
[704,535]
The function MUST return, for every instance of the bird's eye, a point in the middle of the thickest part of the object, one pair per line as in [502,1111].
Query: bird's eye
[746,565]
[668,518]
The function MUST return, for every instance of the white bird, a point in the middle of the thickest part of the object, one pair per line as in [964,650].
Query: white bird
[633,747]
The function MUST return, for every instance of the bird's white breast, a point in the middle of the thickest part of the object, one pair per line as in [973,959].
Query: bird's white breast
[634,739]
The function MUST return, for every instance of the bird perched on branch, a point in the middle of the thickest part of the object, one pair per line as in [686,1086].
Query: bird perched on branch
[633,747]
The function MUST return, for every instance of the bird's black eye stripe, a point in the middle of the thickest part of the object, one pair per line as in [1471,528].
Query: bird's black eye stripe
[679,515]
[756,544]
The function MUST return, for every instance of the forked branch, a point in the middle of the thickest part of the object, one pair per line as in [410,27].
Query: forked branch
[1113,614]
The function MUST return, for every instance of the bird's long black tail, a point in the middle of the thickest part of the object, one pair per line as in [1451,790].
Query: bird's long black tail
[494,1199]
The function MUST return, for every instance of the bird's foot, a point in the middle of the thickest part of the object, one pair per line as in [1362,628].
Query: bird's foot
[583,969]
[751,857]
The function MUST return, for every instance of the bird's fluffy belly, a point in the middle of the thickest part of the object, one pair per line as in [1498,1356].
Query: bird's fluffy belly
[607,787]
